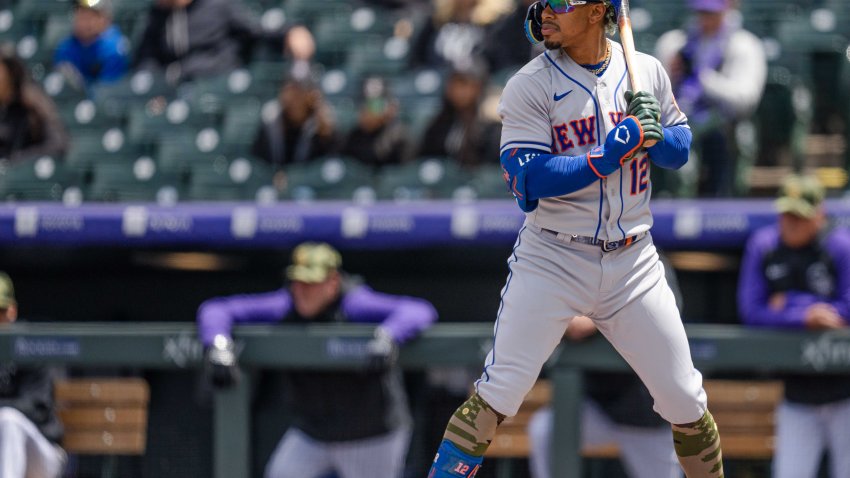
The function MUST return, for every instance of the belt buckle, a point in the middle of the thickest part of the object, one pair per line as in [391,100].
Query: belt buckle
[610,246]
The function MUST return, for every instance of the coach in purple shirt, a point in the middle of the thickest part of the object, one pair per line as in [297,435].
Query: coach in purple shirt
[796,274]
[354,423]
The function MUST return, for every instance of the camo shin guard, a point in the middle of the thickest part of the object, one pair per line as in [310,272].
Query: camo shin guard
[698,447]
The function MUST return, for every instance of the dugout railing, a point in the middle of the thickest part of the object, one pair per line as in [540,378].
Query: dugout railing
[715,349]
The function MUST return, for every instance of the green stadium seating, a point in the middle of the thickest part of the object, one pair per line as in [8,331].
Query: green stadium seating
[146,124]
[58,27]
[308,11]
[426,178]
[418,112]
[90,146]
[228,179]
[176,154]
[34,179]
[83,115]
[242,120]
[328,177]
[488,182]
[62,91]
[379,56]
[136,179]
[140,87]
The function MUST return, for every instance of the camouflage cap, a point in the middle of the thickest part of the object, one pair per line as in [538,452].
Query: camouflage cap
[800,196]
[313,262]
[7,291]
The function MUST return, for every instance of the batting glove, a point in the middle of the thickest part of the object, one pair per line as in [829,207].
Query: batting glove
[221,368]
[646,108]
[620,144]
[382,350]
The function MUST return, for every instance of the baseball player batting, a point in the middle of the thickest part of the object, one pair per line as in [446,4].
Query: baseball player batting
[571,153]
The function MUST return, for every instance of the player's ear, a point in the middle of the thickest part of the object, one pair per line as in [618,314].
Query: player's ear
[597,12]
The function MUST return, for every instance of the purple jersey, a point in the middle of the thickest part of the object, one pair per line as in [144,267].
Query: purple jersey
[403,317]
[754,289]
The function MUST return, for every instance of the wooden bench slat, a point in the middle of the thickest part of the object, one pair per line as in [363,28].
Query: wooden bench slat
[105,443]
[102,418]
[112,390]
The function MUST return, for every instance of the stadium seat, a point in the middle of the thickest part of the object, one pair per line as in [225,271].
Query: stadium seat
[136,179]
[426,178]
[379,56]
[228,179]
[57,27]
[308,11]
[328,177]
[488,182]
[61,90]
[33,14]
[417,113]
[90,146]
[146,123]
[41,178]
[140,87]
[236,85]
[242,120]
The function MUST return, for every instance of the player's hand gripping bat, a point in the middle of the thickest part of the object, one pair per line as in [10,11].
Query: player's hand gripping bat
[624,23]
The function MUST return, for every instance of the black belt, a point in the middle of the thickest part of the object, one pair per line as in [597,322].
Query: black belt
[607,246]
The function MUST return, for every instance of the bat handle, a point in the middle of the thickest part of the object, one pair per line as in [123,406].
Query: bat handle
[649,143]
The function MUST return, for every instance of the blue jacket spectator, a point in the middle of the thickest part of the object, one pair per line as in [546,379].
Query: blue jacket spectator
[96,51]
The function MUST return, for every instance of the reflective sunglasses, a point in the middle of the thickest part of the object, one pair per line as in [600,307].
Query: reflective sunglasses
[565,6]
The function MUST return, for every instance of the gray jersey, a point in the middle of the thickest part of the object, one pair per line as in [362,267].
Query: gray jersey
[555,105]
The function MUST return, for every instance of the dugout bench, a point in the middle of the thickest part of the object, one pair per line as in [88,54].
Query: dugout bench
[715,349]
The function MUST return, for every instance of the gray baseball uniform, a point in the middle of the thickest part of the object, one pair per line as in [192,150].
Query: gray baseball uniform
[558,269]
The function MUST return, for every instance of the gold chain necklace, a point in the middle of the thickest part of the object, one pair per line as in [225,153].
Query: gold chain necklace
[601,68]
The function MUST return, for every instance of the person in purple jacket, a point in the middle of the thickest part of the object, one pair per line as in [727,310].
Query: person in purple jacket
[356,424]
[796,274]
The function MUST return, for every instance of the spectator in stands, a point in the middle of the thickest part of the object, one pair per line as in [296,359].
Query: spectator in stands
[197,38]
[302,130]
[353,422]
[617,410]
[378,138]
[29,123]
[29,428]
[796,274]
[96,51]
[454,31]
[456,131]
[505,32]
[718,72]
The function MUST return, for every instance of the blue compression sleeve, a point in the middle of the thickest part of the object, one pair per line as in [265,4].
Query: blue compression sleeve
[672,153]
[533,174]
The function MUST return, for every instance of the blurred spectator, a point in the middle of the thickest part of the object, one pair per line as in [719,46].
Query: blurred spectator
[796,274]
[196,38]
[96,51]
[302,130]
[718,71]
[456,131]
[508,31]
[454,31]
[356,423]
[29,123]
[378,138]
[29,428]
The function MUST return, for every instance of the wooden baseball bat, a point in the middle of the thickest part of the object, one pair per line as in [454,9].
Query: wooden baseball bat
[624,22]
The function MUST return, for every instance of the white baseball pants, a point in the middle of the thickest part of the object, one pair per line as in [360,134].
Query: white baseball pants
[625,292]
[804,432]
[299,456]
[24,451]
[646,452]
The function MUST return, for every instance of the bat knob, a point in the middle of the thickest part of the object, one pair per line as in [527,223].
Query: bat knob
[649,143]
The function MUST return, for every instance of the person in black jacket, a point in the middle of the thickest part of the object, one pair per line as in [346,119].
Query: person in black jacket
[378,138]
[29,124]
[197,38]
[29,429]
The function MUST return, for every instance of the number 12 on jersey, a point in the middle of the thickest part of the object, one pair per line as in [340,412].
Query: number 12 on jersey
[640,175]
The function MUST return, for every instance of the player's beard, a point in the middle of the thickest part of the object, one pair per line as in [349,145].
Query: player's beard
[551,45]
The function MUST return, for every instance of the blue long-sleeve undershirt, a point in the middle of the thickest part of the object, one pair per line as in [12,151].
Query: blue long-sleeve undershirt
[672,153]
[534,174]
